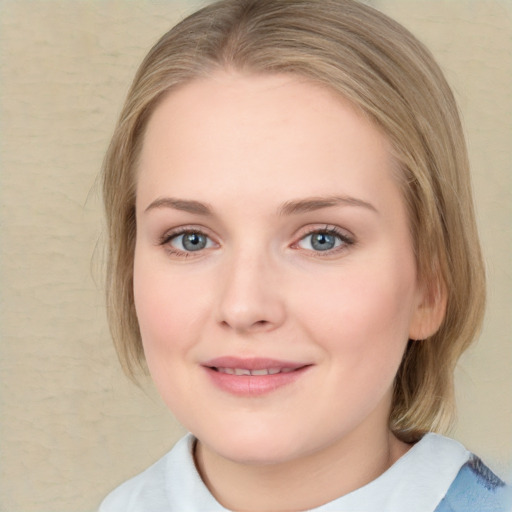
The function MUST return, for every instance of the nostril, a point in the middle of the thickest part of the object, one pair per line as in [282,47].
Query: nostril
[257,325]
[261,325]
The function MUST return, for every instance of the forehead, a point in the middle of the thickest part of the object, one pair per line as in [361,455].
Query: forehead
[261,134]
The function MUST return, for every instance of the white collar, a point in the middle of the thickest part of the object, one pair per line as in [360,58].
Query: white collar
[417,481]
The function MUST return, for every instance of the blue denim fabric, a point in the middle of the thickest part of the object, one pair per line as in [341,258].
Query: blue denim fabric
[476,489]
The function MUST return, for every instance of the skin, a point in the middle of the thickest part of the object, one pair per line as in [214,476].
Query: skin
[244,146]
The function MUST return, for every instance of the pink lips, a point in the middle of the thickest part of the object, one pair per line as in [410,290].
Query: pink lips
[252,376]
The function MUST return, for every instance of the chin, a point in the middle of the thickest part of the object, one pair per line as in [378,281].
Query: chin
[250,447]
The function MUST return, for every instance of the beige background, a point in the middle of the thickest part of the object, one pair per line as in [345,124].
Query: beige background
[71,426]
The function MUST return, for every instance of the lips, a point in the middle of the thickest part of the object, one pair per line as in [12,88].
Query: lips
[252,376]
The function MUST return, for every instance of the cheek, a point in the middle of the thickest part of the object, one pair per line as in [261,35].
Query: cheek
[168,320]
[165,308]
[364,314]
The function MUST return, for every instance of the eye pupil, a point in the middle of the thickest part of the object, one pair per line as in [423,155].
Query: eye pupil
[194,241]
[322,241]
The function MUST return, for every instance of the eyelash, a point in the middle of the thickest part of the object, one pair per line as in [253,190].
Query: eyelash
[345,239]
[166,239]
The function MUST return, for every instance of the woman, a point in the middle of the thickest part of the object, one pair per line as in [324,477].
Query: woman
[294,255]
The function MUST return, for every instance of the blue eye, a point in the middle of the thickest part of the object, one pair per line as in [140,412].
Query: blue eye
[190,241]
[323,240]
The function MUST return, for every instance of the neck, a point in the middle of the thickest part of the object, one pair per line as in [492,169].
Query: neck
[299,484]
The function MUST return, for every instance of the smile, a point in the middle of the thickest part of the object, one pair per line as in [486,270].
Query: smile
[246,371]
[254,376]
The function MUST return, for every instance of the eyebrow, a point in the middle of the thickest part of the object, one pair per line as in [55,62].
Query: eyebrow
[183,205]
[295,207]
[311,204]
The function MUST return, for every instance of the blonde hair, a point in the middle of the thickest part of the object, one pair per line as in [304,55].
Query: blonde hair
[389,75]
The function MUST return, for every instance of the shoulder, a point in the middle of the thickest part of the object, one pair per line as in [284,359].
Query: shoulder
[146,487]
[147,492]
[476,489]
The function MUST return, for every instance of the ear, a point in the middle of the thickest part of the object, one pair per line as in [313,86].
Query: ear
[430,310]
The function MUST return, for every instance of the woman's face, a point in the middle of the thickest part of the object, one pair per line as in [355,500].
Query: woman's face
[275,282]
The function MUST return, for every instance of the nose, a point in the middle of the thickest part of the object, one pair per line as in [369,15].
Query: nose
[251,299]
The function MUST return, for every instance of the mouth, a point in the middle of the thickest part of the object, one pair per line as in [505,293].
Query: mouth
[254,376]
[246,371]
[255,366]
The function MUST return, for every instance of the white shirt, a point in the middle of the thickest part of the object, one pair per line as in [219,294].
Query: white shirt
[417,481]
